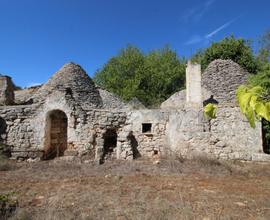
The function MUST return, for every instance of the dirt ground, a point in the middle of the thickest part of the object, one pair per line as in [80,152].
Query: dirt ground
[175,188]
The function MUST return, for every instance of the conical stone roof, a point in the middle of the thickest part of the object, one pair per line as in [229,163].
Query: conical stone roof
[222,78]
[73,80]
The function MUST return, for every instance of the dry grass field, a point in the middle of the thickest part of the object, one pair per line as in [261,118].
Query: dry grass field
[175,188]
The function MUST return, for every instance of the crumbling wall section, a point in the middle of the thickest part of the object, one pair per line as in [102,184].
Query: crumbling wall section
[99,122]
[19,130]
[25,96]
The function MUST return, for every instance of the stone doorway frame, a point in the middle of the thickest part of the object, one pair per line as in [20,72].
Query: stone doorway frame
[60,134]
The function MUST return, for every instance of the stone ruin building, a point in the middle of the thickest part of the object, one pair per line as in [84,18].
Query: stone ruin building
[70,116]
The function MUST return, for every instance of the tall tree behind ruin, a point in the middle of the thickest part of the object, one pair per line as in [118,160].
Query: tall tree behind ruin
[151,78]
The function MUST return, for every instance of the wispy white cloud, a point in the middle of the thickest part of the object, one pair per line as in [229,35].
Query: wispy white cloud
[196,13]
[198,38]
[220,28]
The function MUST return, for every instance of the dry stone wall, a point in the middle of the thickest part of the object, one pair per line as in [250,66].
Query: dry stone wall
[152,141]
[19,130]
[110,130]
[24,96]
[229,136]
[233,136]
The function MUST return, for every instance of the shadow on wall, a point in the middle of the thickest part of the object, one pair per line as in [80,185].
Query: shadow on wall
[3,127]
[5,150]
[134,146]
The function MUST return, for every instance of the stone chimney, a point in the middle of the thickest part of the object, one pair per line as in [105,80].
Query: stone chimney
[6,90]
[193,85]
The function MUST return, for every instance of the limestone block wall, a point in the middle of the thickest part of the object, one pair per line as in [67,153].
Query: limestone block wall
[58,101]
[183,127]
[98,123]
[18,129]
[229,136]
[149,142]
[137,133]
[233,136]
[26,127]
[132,142]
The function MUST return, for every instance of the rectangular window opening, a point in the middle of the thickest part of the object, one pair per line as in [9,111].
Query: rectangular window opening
[146,128]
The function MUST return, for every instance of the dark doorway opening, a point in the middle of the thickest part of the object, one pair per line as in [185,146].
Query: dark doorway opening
[3,128]
[55,134]
[266,136]
[5,150]
[110,143]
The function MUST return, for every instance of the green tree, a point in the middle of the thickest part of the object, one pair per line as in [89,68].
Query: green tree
[262,78]
[164,74]
[238,50]
[121,73]
[151,78]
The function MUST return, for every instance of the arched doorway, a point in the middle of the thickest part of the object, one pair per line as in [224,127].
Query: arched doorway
[55,134]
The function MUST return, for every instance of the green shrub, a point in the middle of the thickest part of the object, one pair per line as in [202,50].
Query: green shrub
[8,205]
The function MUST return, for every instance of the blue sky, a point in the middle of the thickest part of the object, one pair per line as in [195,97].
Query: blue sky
[38,36]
